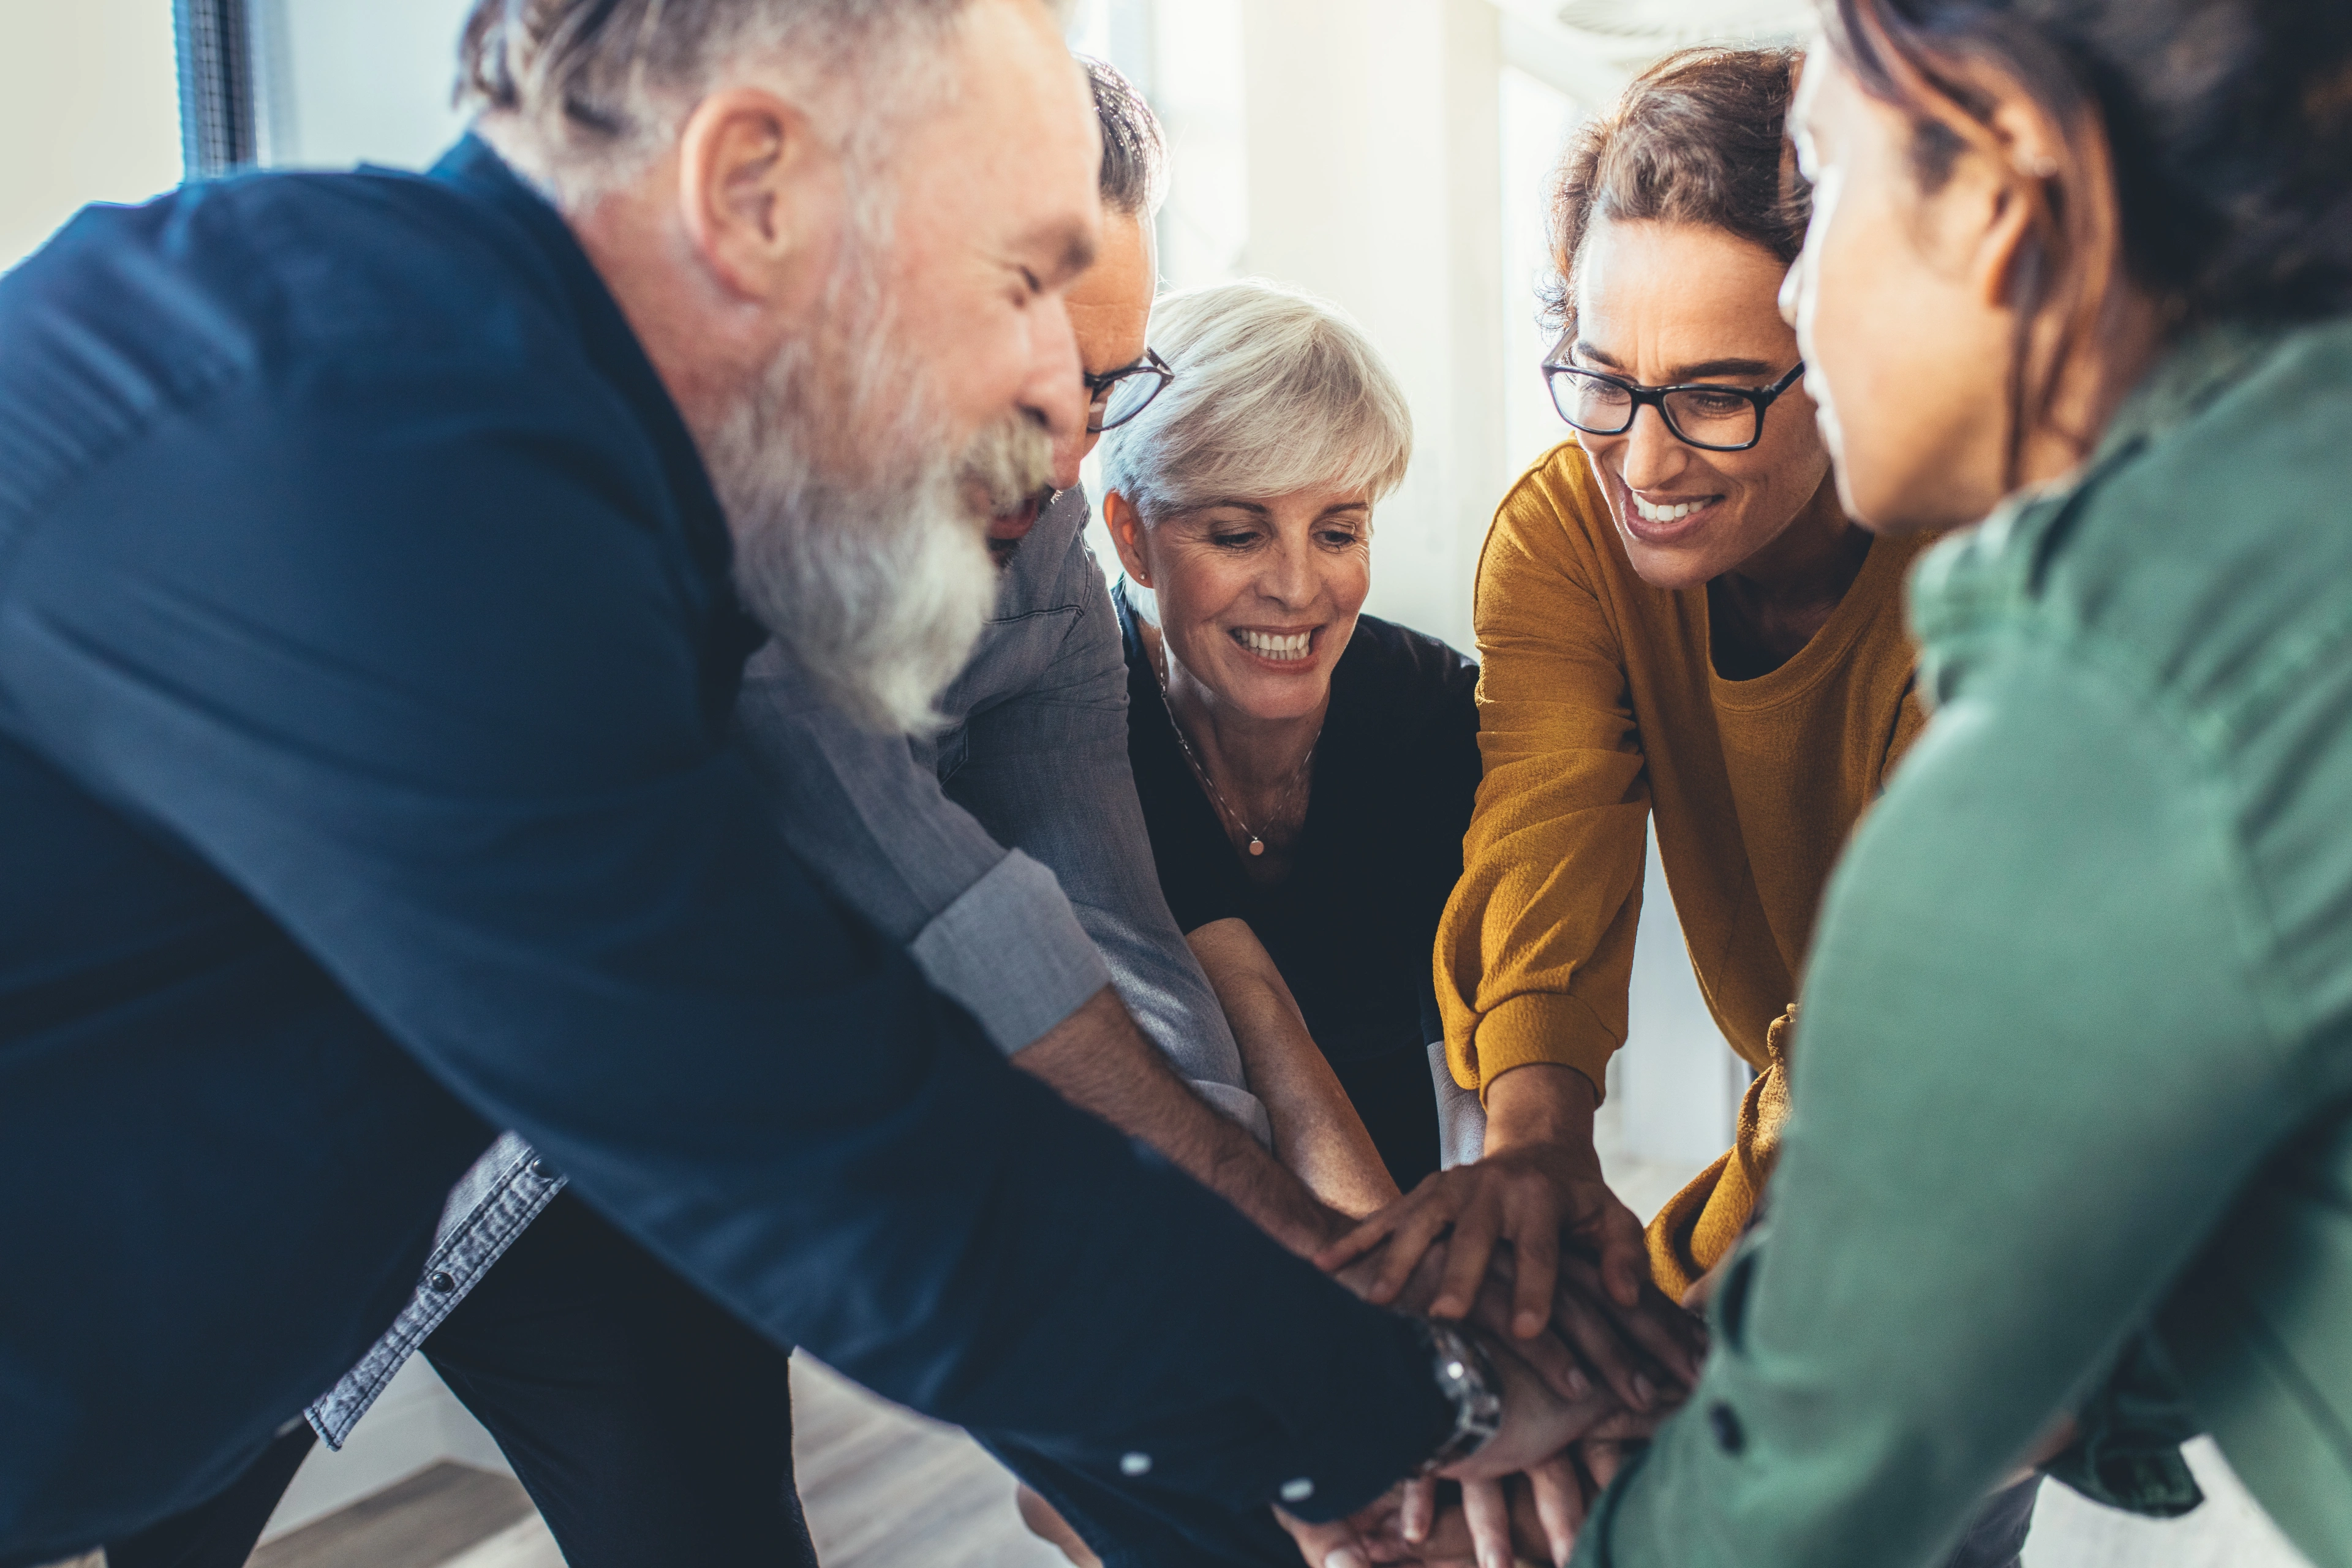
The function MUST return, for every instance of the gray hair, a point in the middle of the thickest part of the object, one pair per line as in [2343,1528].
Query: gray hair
[1275,391]
[1135,149]
[584,93]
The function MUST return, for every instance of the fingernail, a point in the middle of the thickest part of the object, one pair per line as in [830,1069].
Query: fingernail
[1528,1325]
[1578,1386]
[1345,1557]
[1642,1391]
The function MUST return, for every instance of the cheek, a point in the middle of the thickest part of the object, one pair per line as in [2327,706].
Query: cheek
[973,344]
[1349,581]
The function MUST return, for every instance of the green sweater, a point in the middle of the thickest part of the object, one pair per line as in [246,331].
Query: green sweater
[2076,1055]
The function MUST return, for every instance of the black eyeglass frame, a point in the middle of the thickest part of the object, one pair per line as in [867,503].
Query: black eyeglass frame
[1101,389]
[1761,397]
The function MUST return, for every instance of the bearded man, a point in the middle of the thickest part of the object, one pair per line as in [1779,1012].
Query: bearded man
[367,654]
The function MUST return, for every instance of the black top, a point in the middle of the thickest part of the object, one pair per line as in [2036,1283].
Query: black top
[1353,926]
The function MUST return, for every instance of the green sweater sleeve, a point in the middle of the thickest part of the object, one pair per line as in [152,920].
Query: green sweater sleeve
[2035,1067]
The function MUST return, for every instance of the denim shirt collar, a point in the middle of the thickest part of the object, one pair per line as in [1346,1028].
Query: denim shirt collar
[612,346]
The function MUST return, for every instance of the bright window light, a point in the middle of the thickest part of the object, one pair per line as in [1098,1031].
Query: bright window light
[89,111]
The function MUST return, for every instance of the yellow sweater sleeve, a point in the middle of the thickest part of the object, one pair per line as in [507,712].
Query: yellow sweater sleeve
[1535,952]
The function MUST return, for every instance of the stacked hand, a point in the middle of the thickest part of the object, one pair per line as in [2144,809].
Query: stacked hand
[1531,1251]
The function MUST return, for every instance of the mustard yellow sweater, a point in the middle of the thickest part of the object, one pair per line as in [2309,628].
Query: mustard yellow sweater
[1599,706]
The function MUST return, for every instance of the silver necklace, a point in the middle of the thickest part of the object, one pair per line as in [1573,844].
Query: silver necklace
[1256,841]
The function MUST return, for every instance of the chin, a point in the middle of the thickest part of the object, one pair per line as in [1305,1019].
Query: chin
[1670,568]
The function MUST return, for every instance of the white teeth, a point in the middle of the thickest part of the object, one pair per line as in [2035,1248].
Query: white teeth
[1666,513]
[1292,646]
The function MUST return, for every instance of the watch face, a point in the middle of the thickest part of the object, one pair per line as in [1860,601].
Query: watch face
[1466,1377]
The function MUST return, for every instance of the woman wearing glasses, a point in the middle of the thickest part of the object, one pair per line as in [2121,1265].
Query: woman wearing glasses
[1677,623]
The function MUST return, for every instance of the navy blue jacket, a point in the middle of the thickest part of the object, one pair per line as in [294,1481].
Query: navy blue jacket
[366,657]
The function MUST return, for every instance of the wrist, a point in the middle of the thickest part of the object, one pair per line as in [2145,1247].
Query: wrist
[1465,1376]
[1544,1111]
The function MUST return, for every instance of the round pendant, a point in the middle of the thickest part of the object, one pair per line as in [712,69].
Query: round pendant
[1257,846]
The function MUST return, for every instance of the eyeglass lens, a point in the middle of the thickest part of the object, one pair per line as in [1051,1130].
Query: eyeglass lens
[1699,416]
[1124,398]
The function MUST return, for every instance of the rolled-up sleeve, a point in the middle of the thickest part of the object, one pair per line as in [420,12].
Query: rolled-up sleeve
[990,928]
[1047,770]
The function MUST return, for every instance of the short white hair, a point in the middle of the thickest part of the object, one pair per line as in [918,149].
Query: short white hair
[1275,391]
[583,94]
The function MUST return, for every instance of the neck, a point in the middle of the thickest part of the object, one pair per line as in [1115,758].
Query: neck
[698,346]
[1769,606]
[2092,382]
[1248,757]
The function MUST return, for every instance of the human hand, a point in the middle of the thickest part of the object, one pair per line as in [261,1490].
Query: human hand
[1536,1425]
[1530,1196]
[1549,1354]
[1641,1351]
[1477,1524]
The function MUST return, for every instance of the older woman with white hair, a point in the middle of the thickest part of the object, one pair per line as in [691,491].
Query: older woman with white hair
[1306,771]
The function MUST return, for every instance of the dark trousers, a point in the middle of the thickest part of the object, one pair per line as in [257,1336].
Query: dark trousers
[648,1423]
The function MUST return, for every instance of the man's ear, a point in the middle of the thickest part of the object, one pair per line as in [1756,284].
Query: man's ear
[759,192]
[1125,528]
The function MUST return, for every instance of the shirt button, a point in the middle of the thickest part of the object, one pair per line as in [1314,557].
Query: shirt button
[442,1282]
[545,1172]
[1299,1490]
[1729,1434]
[1135,1465]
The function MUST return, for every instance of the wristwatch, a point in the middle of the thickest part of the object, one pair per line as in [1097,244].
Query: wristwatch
[1466,1376]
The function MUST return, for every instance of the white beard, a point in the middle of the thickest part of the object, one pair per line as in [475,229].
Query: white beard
[877,585]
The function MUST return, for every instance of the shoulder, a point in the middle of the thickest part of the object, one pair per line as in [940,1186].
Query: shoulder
[1557,502]
[296,285]
[1553,544]
[1410,684]
[2200,560]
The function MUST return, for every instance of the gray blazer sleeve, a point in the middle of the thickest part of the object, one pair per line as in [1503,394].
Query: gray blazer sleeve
[1046,770]
[988,928]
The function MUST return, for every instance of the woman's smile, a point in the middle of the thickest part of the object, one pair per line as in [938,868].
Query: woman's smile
[1276,646]
[1666,518]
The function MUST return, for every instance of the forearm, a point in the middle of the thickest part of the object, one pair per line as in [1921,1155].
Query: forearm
[1545,1108]
[1099,1061]
[1316,1132]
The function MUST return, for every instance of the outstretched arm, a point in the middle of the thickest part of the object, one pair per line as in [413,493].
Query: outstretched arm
[1316,1132]
[2037,1065]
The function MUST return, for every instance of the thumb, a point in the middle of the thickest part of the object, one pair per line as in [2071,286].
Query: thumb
[1333,1545]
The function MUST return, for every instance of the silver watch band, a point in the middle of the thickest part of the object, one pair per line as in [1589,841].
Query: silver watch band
[1465,1376]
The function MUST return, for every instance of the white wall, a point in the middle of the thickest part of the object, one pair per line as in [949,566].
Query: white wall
[89,111]
[350,82]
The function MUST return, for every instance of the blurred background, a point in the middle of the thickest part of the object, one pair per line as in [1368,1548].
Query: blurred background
[1393,155]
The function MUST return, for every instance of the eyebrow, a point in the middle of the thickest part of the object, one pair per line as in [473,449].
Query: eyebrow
[1074,240]
[1681,374]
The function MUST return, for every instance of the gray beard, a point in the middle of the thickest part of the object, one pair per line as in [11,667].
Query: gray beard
[877,587]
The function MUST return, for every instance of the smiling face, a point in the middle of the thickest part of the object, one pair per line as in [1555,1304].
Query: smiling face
[1257,599]
[1664,304]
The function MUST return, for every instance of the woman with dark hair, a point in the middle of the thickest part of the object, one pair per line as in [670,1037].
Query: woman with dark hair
[2075,1081]
[1678,624]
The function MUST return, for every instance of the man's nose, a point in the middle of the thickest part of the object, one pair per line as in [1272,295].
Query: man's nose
[1056,390]
[1653,456]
